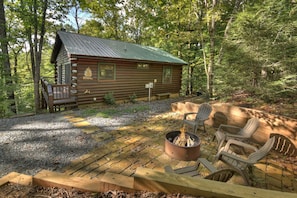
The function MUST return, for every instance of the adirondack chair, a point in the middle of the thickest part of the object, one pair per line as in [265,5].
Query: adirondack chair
[283,145]
[222,175]
[226,132]
[202,115]
[240,163]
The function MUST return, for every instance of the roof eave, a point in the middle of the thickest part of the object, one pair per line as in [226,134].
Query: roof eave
[128,60]
[56,49]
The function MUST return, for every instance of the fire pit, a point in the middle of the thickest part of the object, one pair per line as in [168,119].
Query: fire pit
[182,145]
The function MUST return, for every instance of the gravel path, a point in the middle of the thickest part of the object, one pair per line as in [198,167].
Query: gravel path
[49,141]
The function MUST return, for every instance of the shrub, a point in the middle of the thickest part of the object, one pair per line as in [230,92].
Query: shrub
[133,98]
[109,98]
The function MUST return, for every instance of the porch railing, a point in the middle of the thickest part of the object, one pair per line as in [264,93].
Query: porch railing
[54,96]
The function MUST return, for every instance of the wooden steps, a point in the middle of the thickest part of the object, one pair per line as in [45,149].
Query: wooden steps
[54,179]
[46,178]
[144,179]
[155,181]
[17,178]
[163,95]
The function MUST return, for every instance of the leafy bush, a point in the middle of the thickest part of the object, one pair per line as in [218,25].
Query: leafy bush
[132,98]
[109,98]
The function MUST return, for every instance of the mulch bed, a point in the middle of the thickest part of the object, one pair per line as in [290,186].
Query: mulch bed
[11,190]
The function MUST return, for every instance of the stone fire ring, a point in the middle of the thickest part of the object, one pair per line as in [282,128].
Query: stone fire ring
[182,152]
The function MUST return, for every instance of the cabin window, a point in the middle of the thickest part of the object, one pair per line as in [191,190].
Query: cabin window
[106,72]
[167,74]
[59,74]
[143,66]
[67,73]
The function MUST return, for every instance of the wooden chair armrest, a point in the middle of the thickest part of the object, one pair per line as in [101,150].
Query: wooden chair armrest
[239,143]
[232,129]
[186,114]
[168,169]
[232,156]
[207,164]
[235,136]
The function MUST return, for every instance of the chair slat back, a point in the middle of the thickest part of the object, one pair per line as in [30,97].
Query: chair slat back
[250,127]
[222,175]
[284,145]
[262,152]
[203,112]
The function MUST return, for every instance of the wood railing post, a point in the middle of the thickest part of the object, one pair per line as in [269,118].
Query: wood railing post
[50,98]
[56,95]
[47,95]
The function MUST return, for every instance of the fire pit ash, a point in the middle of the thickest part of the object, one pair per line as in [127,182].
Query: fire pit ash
[182,145]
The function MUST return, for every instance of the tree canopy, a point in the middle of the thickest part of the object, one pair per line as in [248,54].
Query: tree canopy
[230,46]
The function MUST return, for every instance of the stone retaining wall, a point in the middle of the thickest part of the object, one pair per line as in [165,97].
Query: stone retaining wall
[233,115]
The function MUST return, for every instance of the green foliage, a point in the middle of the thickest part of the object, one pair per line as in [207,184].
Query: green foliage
[260,52]
[133,98]
[4,103]
[110,112]
[47,69]
[89,112]
[255,42]
[25,98]
[93,28]
[106,113]
[109,98]
[285,87]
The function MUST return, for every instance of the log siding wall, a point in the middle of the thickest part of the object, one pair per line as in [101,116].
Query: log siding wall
[62,59]
[128,80]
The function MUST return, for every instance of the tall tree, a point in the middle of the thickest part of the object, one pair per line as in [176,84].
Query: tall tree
[210,35]
[261,49]
[35,34]
[192,29]
[35,15]
[211,31]
[5,58]
[77,16]
[109,14]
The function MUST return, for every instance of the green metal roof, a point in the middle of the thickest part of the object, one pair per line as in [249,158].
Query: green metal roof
[77,44]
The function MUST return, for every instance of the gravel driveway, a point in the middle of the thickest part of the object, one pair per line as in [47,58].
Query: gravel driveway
[49,141]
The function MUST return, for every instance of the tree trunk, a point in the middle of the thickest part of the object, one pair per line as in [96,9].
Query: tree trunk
[6,63]
[211,65]
[76,7]
[227,28]
[36,49]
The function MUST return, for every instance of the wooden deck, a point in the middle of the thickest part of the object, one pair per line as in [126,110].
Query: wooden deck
[142,145]
[132,158]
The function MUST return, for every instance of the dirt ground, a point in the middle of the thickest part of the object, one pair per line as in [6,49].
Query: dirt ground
[283,106]
[18,191]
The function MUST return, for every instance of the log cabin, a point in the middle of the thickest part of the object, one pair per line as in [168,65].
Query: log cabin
[88,68]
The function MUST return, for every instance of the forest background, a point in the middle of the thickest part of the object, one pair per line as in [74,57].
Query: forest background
[243,47]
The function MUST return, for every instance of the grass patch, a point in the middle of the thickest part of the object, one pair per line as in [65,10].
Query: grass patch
[107,113]
[88,112]
[136,109]
[110,112]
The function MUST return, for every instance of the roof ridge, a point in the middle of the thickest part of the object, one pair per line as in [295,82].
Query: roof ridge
[107,39]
